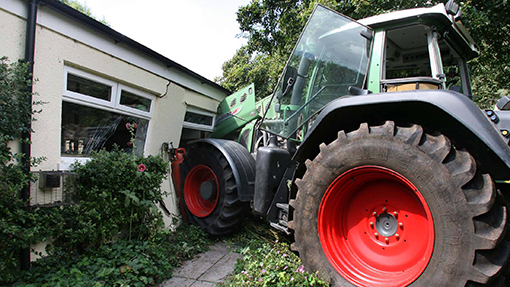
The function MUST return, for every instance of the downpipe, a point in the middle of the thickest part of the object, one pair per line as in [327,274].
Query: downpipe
[25,145]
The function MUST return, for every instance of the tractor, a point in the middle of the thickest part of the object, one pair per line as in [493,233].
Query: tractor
[370,154]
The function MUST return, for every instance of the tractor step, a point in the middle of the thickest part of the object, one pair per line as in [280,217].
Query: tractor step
[283,206]
[280,227]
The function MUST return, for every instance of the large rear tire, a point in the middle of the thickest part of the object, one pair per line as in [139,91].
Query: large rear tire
[209,191]
[394,206]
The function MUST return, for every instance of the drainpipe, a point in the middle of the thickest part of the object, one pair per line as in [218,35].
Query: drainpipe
[25,146]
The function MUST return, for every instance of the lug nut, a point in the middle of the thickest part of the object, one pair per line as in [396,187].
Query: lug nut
[397,236]
[401,225]
[384,209]
[376,234]
[371,224]
[395,213]
[387,240]
[374,213]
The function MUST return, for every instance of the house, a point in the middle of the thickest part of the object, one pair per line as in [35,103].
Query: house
[95,83]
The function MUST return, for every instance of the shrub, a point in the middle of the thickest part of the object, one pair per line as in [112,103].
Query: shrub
[17,229]
[121,263]
[118,193]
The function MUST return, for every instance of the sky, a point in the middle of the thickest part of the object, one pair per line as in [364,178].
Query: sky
[198,34]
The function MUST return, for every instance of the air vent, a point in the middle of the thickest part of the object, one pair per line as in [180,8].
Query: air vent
[243,98]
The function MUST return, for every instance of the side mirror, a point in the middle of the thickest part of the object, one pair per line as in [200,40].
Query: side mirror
[355,91]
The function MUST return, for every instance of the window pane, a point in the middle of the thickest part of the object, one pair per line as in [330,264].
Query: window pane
[134,101]
[331,55]
[88,87]
[200,119]
[86,129]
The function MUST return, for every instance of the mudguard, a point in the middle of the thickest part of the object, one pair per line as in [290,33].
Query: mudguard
[241,162]
[448,112]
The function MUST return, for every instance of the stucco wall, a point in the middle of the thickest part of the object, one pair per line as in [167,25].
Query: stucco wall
[13,35]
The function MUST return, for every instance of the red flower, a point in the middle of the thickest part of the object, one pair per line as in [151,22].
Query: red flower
[128,143]
[129,126]
[141,167]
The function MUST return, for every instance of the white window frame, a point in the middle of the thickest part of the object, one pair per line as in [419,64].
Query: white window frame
[85,98]
[112,106]
[116,91]
[207,128]
[139,93]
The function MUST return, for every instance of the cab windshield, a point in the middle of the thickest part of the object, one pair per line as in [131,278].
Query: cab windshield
[331,55]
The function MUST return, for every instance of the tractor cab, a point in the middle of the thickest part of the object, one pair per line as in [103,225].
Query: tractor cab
[416,49]
[424,48]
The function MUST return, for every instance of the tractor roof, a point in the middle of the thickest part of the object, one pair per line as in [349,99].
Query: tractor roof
[456,34]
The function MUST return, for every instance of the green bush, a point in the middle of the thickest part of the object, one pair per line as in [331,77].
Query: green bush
[17,229]
[121,263]
[118,193]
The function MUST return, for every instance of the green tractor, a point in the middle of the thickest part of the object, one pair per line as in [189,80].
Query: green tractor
[370,153]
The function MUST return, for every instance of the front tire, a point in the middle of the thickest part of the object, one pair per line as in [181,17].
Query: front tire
[209,191]
[394,206]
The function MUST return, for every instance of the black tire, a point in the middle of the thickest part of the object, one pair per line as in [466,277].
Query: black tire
[228,211]
[469,220]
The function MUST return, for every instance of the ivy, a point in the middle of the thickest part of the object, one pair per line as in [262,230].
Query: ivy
[17,229]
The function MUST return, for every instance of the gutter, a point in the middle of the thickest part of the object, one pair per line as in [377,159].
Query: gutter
[26,136]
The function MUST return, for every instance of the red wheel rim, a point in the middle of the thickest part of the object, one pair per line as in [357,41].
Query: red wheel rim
[197,203]
[376,228]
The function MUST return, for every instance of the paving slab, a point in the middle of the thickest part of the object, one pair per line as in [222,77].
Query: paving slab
[205,270]
[177,281]
[224,267]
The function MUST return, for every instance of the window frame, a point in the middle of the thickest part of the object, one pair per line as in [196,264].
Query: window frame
[116,92]
[200,127]
[86,98]
[112,106]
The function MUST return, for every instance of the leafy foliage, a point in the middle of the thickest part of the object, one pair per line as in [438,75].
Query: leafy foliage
[121,263]
[272,27]
[114,236]
[15,110]
[83,8]
[17,230]
[489,24]
[243,68]
[117,198]
[267,261]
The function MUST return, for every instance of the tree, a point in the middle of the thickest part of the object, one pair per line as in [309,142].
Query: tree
[245,68]
[272,27]
[489,24]
[83,9]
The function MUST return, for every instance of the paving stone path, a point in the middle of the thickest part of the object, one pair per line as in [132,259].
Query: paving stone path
[206,270]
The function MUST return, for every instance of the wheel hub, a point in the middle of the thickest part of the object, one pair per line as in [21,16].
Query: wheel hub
[386,224]
[207,189]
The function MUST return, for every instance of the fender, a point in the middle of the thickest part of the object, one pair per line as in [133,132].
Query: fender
[448,112]
[241,162]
